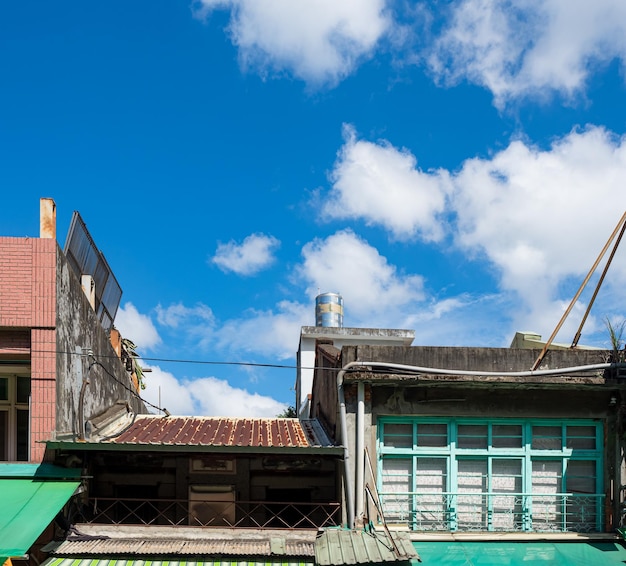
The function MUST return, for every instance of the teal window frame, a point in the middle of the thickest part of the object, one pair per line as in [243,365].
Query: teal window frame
[527,512]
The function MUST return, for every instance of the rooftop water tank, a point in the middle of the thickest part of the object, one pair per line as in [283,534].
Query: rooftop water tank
[329,310]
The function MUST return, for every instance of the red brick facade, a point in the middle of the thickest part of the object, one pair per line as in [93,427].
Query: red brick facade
[28,302]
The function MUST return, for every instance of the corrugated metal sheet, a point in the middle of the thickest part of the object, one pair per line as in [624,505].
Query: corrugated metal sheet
[142,562]
[218,431]
[337,547]
[169,547]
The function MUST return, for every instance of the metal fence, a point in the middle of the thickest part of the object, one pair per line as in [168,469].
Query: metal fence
[249,514]
[506,512]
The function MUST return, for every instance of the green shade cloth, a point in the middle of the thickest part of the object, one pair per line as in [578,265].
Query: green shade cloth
[27,507]
[602,553]
[164,562]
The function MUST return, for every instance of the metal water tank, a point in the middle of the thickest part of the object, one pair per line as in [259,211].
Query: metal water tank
[329,310]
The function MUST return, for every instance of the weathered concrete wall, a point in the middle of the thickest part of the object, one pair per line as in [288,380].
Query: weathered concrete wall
[78,329]
[597,395]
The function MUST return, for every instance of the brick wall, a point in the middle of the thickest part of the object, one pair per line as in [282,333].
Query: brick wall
[28,301]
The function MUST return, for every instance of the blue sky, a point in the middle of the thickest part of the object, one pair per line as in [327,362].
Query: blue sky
[452,167]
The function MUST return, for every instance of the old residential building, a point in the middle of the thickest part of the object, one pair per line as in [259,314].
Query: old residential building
[453,442]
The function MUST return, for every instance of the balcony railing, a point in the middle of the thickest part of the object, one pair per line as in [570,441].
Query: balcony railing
[249,514]
[522,512]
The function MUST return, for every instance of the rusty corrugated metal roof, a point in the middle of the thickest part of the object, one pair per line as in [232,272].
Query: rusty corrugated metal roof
[168,547]
[220,431]
[135,541]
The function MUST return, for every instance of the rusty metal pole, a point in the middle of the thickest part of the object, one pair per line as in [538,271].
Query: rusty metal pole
[580,290]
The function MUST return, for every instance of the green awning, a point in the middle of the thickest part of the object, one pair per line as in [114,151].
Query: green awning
[521,553]
[28,506]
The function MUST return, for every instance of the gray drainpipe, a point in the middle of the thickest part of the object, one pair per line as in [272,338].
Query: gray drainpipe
[360,453]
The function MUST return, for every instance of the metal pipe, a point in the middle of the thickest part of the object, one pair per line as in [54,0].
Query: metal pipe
[578,293]
[346,450]
[439,371]
[360,452]
[597,289]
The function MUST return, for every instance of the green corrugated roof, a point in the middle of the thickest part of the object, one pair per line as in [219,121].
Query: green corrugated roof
[29,504]
[604,553]
[339,547]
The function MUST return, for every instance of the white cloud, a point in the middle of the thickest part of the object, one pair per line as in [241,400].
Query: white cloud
[374,291]
[206,396]
[319,41]
[254,254]
[137,327]
[177,315]
[540,218]
[383,186]
[273,333]
[529,47]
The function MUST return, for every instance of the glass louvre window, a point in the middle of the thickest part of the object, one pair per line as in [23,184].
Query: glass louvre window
[500,475]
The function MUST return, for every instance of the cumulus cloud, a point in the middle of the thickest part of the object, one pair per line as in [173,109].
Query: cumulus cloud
[206,396]
[542,215]
[254,254]
[272,332]
[319,41]
[373,288]
[530,47]
[539,216]
[383,185]
[177,315]
[137,327]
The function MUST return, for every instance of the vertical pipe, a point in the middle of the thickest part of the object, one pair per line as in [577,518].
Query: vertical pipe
[360,452]
[346,449]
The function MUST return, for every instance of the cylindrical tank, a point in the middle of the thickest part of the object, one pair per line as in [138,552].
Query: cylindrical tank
[329,310]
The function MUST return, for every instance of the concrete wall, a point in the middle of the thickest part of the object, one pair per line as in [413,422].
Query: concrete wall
[78,329]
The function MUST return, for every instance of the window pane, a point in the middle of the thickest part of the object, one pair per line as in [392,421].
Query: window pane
[506,504]
[397,482]
[472,436]
[547,438]
[582,506]
[506,436]
[580,476]
[430,501]
[4,431]
[4,388]
[23,389]
[432,435]
[547,508]
[22,436]
[581,437]
[472,509]
[398,435]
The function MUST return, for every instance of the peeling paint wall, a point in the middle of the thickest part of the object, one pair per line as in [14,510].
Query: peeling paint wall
[78,329]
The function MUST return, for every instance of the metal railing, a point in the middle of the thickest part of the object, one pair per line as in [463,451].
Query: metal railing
[522,512]
[205,513]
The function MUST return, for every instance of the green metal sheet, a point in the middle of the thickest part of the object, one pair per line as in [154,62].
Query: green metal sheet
[521,553]
[28,507]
